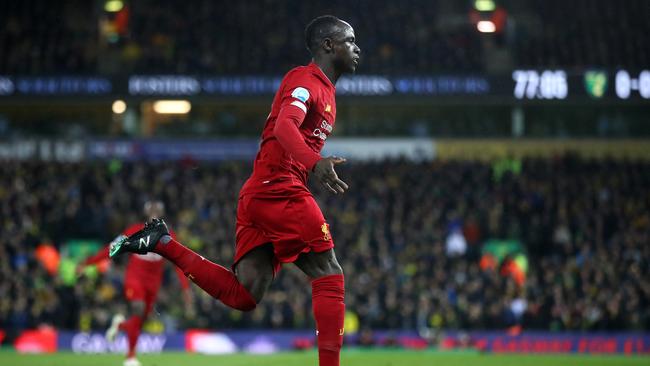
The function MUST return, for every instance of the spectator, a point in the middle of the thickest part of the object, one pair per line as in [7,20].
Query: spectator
[392,241]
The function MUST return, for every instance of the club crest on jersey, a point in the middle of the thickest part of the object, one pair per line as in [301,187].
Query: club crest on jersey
[326,231]
[301,94]
[328,109]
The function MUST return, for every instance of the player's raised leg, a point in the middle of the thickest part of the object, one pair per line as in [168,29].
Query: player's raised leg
[328,293]
[216,280]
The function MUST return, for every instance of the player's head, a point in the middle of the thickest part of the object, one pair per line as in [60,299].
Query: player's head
[154,209]
[330,37]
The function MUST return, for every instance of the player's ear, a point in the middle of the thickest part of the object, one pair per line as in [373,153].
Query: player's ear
[328,45]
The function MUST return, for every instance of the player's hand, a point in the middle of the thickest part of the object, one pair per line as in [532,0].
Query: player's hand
[324,172]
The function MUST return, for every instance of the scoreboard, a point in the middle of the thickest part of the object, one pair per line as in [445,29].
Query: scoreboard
[520,86]
[558,84]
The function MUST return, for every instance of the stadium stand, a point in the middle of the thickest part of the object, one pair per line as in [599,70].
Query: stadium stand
[583,222]
[202,37]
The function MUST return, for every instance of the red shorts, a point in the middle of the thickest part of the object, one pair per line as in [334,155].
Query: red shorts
[135,290]
[294,225]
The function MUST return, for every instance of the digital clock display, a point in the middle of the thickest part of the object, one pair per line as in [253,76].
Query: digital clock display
[544,84]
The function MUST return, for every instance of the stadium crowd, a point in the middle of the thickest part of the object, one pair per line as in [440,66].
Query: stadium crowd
[585,225]
[253,37]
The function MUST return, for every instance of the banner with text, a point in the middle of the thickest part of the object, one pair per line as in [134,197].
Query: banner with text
[519,85]
[270,341]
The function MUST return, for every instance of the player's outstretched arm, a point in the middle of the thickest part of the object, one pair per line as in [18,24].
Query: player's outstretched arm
[325,173]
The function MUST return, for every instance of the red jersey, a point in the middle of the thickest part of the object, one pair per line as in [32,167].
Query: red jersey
[306,101]
[147,268]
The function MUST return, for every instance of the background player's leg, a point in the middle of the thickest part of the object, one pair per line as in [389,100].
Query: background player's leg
[140,310]
[133,326]
[214,279]
[328,292]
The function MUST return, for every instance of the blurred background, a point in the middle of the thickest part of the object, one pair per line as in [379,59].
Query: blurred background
[498,162]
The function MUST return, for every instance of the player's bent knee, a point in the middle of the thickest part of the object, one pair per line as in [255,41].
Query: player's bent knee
[248,306]
[257,287]
[255,271]
[254,280]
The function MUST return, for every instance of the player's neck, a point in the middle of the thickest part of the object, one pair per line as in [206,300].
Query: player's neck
[328,69]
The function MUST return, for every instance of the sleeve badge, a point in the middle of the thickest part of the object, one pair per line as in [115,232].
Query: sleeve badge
[301,94]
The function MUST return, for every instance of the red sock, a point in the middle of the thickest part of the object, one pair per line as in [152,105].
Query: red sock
[214,279]
[329,310]
[132,327]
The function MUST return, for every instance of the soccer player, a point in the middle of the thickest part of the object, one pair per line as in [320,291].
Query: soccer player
[142,279]
[278,220]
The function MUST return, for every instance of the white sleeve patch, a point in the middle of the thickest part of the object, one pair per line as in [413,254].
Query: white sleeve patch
[301,94]
[300,105]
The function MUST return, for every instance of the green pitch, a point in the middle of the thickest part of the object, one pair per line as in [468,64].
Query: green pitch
[348,358]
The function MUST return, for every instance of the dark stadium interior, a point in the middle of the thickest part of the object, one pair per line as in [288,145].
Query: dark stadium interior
[219,37]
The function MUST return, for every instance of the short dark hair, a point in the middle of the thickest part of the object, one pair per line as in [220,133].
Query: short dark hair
[325,26]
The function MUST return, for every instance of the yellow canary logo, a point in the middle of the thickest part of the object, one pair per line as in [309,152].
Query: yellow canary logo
[326,231]
[328,108]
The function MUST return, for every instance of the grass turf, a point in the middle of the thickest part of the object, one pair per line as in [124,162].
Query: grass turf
[348,358]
